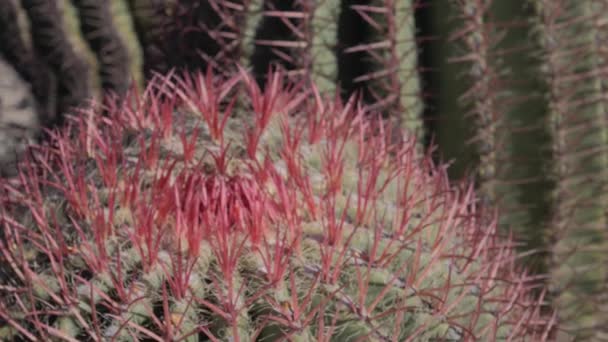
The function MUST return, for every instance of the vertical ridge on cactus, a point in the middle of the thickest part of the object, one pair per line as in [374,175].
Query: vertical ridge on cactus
[182,216]
[98,29]
[492,102]
[50,42]
[480,39]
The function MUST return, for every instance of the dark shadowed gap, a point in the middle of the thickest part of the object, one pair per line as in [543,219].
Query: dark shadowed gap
[352,29]
[272,28]
[427,40]
[190,37]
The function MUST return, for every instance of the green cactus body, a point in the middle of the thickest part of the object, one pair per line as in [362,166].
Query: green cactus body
[71,22]
[125,25]
[508,139]
[569,31]
[163,222]
[104,34]
[488,116]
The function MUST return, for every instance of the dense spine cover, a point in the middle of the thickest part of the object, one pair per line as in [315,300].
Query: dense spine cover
[493,110]
[293,217]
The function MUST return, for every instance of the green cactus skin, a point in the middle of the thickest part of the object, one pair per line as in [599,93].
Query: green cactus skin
[477,37]
[253,21]
[125,26]
[569,32]
[167,220]
[305,42]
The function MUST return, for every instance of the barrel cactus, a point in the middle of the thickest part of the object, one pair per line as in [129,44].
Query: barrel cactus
[205,208]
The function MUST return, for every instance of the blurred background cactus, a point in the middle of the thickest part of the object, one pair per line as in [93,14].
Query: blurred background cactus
[513,93]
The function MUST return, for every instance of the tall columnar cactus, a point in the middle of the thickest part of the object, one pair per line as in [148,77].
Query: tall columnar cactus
[50,42]
[298,219]
[574,65]
[506,112]
[47,51]
[99,30]
[148,23]
[313,39]
[567,117]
